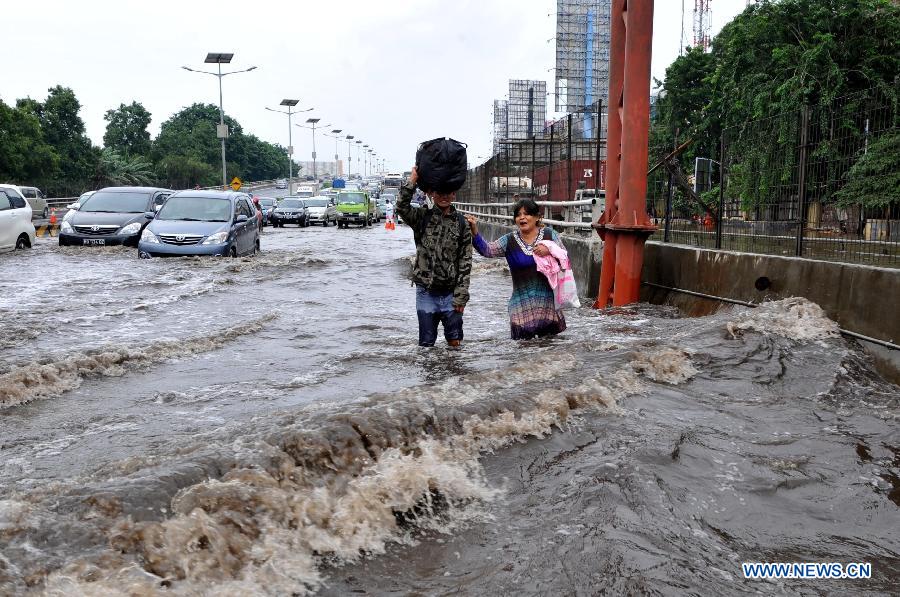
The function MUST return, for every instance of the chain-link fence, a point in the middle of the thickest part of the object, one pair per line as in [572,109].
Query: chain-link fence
[821,182]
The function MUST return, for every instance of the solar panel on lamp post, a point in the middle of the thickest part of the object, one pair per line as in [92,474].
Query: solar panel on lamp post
[336,136]
[313,122]
[220,58]
[290,103]
[349,157]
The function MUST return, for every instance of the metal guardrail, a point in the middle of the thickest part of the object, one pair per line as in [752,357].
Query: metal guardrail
[58,202]
[572,212]
[62,202]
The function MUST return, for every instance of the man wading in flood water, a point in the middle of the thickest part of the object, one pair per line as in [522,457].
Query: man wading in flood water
[443,263]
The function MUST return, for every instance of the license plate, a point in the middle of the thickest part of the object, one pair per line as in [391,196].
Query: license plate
[94,241]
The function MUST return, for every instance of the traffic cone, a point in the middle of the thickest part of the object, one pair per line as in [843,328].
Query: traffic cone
[53,217]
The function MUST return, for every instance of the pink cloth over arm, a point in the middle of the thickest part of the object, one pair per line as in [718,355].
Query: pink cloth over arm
[554,263]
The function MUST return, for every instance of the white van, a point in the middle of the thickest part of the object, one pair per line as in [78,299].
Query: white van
[305,191]
[16,229]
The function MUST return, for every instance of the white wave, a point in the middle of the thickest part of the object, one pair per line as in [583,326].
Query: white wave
[795,318]
[44,380]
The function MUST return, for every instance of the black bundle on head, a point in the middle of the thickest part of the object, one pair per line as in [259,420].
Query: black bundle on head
[441,164]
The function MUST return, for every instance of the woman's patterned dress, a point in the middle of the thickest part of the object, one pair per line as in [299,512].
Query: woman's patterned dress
[532,307]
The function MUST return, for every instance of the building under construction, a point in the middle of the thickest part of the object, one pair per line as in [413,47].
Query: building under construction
[526,108]
[501,124]
[582,56]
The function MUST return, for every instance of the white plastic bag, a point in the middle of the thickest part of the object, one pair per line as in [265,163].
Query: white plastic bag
[566,293]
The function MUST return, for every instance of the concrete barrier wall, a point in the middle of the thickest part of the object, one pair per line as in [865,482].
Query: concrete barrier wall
[860,298]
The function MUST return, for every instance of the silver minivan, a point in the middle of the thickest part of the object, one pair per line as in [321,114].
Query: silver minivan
[321,210]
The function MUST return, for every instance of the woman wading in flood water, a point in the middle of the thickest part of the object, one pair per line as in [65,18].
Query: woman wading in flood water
[532,306]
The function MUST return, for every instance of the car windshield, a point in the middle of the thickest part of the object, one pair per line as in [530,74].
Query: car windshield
[291,203]
[112,202]
[195,209]
[316,203]
[392,182]
[351,198]
[304,194]
[84,197]
[267,202]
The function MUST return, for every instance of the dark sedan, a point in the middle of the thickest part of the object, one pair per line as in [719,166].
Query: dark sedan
[202,223]
[112,216]
[290,210]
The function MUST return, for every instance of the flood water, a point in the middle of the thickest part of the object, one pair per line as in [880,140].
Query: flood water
[268,426]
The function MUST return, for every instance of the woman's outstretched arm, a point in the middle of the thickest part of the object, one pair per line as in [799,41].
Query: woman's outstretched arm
[496,248]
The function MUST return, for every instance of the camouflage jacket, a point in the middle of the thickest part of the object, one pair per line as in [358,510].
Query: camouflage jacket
[443,248]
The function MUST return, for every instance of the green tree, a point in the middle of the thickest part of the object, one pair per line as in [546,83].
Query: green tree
[185,172]
[25,157]
[769,61]
[874,180]
[192,132]
[63,129]
[187,150]
[114,169]
[126,130]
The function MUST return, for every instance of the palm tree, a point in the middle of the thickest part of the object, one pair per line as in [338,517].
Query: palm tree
[114,169]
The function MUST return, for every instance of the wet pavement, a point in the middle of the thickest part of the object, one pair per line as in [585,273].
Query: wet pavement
[268,425]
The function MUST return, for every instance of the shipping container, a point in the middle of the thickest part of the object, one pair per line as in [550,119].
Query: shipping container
[551,183]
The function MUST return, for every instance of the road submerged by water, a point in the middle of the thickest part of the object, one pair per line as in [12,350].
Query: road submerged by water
[268,426]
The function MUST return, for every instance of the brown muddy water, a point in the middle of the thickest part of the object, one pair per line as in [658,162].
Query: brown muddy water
[269,426]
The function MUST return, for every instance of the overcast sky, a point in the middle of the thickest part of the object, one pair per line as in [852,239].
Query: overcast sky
[392,73]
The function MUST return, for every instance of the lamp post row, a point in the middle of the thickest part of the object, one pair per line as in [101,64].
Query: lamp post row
[219,58]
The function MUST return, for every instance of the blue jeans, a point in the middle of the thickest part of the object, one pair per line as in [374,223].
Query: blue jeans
[435,308]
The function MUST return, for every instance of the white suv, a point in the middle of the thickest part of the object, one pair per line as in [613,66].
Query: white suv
[16,229]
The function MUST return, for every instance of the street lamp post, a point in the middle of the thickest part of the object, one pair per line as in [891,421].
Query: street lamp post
[358,144]
[290,103]
[365,160]
[313,122]
[349,157]
[334,135]
[219,59]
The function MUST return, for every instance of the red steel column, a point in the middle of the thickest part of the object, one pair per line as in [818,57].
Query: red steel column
[613,150]
[625,224]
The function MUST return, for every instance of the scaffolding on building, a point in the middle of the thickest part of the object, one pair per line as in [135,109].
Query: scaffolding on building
[582,56]
[501,124]
[526,108]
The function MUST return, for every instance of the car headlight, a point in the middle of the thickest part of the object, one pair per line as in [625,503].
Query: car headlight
[66,227]
[149,237]
[216,239]
[132,228]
